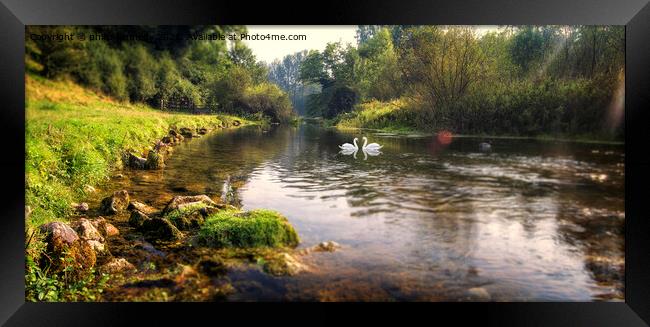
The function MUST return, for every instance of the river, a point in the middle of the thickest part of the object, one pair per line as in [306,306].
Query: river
[428,218]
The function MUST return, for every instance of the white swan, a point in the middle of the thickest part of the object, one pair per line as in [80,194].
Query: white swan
[348,146]
[371,146]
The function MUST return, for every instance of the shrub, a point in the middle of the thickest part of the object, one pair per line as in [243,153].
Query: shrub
[270,100]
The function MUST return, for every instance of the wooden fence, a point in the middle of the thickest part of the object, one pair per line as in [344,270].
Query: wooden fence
[185,105]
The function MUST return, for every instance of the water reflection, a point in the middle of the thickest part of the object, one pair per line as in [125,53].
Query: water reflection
[431,219]
[366,152]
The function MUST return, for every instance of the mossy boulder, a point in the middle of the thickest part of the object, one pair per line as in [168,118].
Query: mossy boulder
[137,218]
[179,202]
[160,229]
[155,160]
[189,216]
[115,203]
[65,250]
[256,228]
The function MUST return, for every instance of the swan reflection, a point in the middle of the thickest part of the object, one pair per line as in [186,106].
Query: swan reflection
[366,152]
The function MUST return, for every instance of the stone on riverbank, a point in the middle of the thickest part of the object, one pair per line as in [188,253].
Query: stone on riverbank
[105,228]
[160,229]
[155,160]
[117,265]
[137,162]
[180,201]
[66,250]
[187,132]
[81,207]
[115,203]
[142,207]
[137,218]
[86,230]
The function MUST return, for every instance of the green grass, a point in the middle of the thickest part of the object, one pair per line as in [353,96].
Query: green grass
[390,116]
[257,228]
[397,117]
[75,137]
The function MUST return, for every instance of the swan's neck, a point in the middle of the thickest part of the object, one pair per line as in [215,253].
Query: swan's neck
[365,141]
[355,143]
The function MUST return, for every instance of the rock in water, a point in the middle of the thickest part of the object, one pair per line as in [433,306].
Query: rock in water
[142,207]
[178,202]
[155,160]
[115,203]
[136,162]
[160,229]
[137,218]
[329,246]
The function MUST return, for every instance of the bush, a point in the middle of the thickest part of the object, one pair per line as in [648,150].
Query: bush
[257,228]
[270,100]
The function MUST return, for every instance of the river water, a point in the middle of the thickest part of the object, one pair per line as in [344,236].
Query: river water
[428,218]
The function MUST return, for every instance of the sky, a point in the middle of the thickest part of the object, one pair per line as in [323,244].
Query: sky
[316,38]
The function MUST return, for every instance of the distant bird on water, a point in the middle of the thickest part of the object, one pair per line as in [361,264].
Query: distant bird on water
[485,146]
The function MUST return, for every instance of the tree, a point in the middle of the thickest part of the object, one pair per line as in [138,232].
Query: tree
[440,65]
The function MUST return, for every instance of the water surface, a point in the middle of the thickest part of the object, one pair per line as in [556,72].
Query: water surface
[424,220]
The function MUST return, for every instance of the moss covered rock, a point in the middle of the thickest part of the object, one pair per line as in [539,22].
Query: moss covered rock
[155,160]
[257,228]
[188,216]
[115,203]
[160,229]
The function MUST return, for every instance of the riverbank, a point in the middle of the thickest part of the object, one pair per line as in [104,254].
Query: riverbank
[397,117]
[75,139]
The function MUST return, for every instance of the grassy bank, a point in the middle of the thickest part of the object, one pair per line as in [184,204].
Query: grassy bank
[75,138]
[400,117]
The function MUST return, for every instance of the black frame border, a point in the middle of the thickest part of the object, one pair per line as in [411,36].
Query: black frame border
[634,14]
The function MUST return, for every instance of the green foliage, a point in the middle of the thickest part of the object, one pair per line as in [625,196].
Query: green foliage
[166,63]
[41,284]
[531,80]
[257,228]
[77,141]
[270,100]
